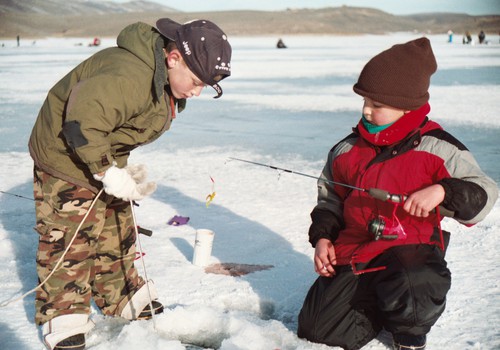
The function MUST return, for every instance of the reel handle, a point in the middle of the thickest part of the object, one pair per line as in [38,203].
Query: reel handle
[385,196]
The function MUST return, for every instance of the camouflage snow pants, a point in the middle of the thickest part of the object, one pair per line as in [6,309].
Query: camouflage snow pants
[100,262]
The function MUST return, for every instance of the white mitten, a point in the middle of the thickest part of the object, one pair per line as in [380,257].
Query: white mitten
[138,172]
[122,183]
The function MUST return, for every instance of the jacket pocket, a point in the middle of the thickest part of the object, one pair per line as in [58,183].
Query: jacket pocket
[51,232]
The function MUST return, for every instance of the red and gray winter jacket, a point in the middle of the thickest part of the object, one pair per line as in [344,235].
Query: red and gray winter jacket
[410,155]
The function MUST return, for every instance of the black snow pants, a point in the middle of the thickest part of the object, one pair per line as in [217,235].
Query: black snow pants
[406,298]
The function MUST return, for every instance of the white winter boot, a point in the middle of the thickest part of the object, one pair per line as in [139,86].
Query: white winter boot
[66,332]
[138,308]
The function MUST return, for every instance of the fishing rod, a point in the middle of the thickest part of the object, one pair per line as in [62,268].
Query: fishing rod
[376,193]
[301,174]
[16,195]
[380,227]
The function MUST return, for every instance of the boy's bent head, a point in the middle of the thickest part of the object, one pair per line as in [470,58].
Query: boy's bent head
[204,48]
[400,76]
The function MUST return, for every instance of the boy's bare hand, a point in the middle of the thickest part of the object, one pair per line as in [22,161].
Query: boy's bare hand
[324,258]
[422,202]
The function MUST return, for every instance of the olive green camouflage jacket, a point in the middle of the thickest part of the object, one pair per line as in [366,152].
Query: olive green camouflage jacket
[111,103]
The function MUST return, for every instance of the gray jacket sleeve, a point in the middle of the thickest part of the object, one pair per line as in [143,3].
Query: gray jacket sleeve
[469,192]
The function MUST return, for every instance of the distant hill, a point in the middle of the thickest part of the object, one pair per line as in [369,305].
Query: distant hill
[81,18]
[78,7]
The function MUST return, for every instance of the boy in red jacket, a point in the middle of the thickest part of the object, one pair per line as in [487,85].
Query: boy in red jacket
[382,261]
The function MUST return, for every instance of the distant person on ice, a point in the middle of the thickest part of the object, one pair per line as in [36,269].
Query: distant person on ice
[280,44]
[116,100]
[95,42]
[467,39]
[481,37]
[381,263]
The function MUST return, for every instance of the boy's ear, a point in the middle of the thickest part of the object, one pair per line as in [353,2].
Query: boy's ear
[173,58]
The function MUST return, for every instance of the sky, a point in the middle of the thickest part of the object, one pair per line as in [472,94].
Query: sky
[397,7]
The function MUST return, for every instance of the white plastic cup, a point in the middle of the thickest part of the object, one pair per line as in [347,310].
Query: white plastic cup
[203,247]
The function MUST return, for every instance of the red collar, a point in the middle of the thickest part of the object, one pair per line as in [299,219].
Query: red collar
[172,106]
[397,131]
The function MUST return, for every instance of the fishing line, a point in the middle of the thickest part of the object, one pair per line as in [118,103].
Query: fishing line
[139,245]
[211,196]
[7,302]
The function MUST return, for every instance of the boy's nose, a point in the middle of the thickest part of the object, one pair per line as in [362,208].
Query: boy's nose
[367,111]
[196,91]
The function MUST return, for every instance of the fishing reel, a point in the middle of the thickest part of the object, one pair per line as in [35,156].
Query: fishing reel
[386,229]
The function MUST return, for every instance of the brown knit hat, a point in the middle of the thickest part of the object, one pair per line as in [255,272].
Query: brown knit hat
[400,76]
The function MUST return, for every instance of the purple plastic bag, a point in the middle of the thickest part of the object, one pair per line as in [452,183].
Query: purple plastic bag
[178,220]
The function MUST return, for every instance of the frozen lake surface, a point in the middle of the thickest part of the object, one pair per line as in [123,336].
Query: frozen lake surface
[281,107]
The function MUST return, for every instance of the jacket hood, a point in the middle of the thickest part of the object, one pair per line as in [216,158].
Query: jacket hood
[140,39]
[146,43]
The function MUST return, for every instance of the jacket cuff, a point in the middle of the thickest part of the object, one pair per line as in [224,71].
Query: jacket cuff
[324,225]
[315,240]
[465,198]
[101,165]
[448,192]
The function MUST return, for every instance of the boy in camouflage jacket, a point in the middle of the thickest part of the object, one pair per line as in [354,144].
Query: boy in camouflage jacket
[116,100]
